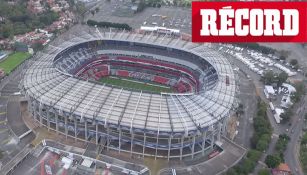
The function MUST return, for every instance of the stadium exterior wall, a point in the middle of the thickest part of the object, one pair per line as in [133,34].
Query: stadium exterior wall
[95,131]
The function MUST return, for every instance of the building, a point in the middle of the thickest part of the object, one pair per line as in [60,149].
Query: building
[63,94]
[282,169]
[36,6]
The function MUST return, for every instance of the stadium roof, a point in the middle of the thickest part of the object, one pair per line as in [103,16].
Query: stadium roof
[158,113]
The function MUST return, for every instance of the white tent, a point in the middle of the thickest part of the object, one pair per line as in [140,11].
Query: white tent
[277,114]
[268,90]
[290,88]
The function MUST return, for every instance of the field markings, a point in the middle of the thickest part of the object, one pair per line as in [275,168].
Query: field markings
[139,85]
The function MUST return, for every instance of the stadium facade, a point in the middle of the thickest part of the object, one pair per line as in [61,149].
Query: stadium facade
[64,95]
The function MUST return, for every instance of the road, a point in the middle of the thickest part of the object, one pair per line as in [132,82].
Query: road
[292,152]
[248,98]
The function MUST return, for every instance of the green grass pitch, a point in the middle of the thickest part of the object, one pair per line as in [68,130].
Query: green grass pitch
[135,84]
[13,60]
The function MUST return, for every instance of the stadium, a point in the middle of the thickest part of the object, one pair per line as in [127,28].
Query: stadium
[141,94]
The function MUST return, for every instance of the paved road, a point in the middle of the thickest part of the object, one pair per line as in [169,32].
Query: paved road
[230,156]
[14,118]
[292,152]
[248,98]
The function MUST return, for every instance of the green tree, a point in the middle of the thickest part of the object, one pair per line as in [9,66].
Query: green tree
[240,109]
[6,30]
[282,57]
[80,9]
[247,166]
[97,9]
[300,91]
[253,155]
[1,154]
[264,172]
[263,142]
[93,12]
[272,161]
[282,143]
[268,77]
[281,78]
[286,115]
[304,139]
[37,47]
[293,62]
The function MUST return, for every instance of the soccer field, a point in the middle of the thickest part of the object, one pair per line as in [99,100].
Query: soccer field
[13,60]
[135,84]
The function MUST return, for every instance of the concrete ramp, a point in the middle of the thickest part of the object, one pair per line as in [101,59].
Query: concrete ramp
[15,120]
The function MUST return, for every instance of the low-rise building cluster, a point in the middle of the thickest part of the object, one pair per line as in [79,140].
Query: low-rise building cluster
[43,36]
[39,6]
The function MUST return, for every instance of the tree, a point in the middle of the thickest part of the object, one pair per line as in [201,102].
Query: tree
[1,154]
[272,161]
[300,91]
[282,57]
[93,12]
[284,137]
[304,139]
[284,54]
[231,171]
[286,115]
[240,110]
[80,9]
[6,30]
[253,155]
[268,77]
[282,143]
[37,47]
[97,9]
[263,142]
[293,62]
[281,78]
[264,172]
[247,166]
[108,24]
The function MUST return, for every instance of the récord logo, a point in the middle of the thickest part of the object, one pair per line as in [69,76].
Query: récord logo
[249,21]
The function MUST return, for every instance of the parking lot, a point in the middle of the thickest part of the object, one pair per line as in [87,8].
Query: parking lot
[257,62]
[170,17]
